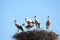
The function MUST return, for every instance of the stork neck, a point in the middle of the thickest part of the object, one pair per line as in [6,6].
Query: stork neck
[35,18]
[48,18]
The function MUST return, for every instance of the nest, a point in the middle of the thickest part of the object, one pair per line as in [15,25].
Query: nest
[36,35]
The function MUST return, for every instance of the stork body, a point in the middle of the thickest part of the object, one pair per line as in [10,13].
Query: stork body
[37,23]
[18,26]
[28,21]
[28,26]
[48,23]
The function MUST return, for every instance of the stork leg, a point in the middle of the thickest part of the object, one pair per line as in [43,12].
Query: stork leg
[39,26]
[28,29]
[18,30]
[47,28]
[36,28]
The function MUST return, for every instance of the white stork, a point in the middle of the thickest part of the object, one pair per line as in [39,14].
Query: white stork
[18,26]
[28,26]
[37,23]
[48,23]
[28,21]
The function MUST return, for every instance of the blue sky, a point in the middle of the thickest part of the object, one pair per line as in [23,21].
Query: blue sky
[19,9]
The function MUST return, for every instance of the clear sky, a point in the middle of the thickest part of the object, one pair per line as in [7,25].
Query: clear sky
[19,9]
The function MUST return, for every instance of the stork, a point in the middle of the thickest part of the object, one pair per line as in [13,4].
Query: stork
[37,23]
[48,23]
[28,21]
[28,26]
[18,26]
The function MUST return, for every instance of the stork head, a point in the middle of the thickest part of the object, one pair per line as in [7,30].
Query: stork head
[48,16]
[34,16]
[23,24]
[14,21]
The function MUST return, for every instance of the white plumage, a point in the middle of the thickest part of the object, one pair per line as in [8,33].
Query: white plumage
[28,21]
[37,23]
[48,23]
[18,26]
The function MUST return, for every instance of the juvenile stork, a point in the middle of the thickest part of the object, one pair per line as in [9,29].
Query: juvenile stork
[48,23]
[28,26]
[18,26]
[28,21]
[37,23]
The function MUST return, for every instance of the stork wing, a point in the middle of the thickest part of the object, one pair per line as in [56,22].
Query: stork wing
[48,23]
[17,24]
[37,20]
